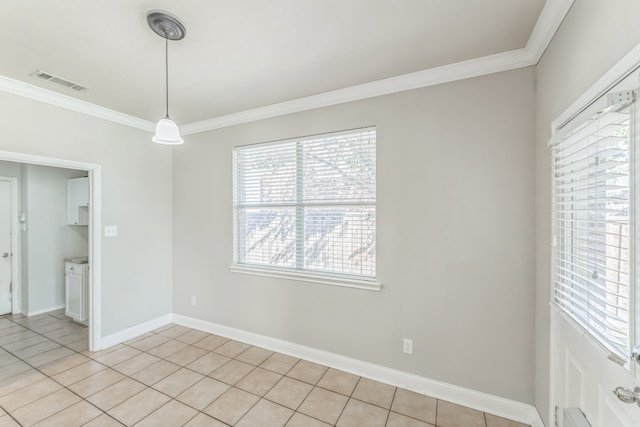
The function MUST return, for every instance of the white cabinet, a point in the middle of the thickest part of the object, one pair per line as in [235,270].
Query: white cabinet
[78,201]
[76,292]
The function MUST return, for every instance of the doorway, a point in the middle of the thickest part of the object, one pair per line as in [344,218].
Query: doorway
[8,245]
[94,237]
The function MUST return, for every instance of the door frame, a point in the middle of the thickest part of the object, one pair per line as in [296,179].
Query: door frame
[627,65]
[16,276]
[95,225]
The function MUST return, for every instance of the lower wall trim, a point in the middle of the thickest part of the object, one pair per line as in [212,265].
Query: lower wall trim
[484,402]
[45,310]
[127,334]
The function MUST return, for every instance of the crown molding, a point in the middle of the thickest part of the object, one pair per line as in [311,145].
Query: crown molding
[36,93]
[552,15]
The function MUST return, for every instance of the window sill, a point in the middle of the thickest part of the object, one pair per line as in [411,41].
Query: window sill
[368,285]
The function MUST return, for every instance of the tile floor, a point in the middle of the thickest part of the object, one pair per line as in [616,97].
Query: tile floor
[176,376]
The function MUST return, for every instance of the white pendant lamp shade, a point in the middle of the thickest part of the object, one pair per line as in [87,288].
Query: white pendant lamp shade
[168,27]
[167,133]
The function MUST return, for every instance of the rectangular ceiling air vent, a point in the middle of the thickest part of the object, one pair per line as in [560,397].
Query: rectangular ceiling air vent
[58,80]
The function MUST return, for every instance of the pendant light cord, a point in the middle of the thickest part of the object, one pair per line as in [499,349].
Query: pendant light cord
[166,71]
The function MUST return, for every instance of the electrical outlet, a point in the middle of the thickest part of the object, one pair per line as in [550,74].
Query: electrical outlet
[407,346]
[110,231]
[193,301]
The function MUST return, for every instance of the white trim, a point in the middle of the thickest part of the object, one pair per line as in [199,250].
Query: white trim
[44,310]
[484,402]
[134,331]
[368,285]
[95,247]
[548,22]
[16,276]
[30,91]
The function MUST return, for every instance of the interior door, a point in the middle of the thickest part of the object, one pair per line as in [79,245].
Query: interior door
[5,247]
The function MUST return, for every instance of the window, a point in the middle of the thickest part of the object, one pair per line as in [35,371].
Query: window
[308,205]
[592,183]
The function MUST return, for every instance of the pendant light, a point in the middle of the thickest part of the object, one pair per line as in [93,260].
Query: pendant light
[169,28]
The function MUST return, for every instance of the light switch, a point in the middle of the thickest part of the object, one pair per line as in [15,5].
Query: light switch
[110,231]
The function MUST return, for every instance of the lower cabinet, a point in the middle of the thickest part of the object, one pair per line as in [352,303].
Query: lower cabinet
[77,296]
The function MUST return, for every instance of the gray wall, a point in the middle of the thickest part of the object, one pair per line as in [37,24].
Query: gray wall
[594,36]
[455,237]
[136,196]
[48,239]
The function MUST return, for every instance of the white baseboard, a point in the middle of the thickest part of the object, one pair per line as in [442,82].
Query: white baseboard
[46,310]
[127,334]
[484,402]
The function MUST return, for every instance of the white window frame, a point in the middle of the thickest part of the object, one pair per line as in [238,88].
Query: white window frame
[298,273]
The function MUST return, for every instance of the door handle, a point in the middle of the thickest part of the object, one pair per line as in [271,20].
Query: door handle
[5,255]
[628,396]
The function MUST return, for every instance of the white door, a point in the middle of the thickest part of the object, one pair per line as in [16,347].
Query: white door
[5,247]
[596,194]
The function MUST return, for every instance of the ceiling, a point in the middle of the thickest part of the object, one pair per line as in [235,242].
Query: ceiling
[241,55]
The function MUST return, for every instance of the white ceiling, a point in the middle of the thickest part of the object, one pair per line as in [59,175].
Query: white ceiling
[240,55]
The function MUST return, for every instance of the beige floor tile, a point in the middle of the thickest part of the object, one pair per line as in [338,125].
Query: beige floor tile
[156,372]
[167,349]
[173,413]
[266,413]
[357,414]
[7,421]
[71,338]
[174,331]
[24,343]
[398,420]
[19,381]
[49,356]
[495,421]
[116,393]
[211,342]
[324,405]
[178,382]
[98,354]
[208,363]
[80,346]
[136,363]
[339,381]
[231,406]
[187,355]
[103,420]
[164,328]
[289,392]
[61,365]
[75,415]
[279,363]
[45,407]
[201,394]
[29,394]
[232,348]
[254,355]
[80,372]
[204,420]
[308,372]
[139,338]
[259,381]
[96,382]
[138,407]
[232,372]
[415,405]
[18,337]
[13,369]
[192,337]
[301,420]
[36,349]
[374,392]
[7,358]
[118,356]
[150,342]
[451,415]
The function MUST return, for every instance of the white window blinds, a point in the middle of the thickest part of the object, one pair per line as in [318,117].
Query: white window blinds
[308,204]
[592,178]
